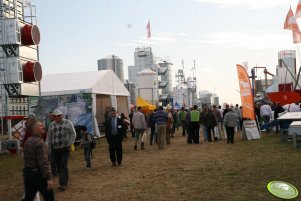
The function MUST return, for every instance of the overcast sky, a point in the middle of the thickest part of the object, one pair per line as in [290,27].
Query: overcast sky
[218,34]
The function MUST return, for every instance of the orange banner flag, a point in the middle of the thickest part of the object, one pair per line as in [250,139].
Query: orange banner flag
[246,95]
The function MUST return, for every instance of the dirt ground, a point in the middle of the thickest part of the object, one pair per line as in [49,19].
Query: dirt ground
[209,172]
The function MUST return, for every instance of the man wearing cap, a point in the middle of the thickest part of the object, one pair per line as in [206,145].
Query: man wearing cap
[266,112]
[114,134]
[140,126]
[51,152]
[61,135]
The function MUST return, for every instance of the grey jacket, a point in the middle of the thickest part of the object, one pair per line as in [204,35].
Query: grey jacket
[230,119]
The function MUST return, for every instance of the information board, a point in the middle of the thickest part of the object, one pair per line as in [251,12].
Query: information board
[250,130]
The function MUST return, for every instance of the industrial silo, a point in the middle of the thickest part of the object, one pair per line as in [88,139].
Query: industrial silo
[147,85]
[166,76]
[131,87]
[114,63]
[205,97]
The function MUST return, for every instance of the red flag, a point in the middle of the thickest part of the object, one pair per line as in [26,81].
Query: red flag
[296,37]
[298,10]
[291,22]
[148,29]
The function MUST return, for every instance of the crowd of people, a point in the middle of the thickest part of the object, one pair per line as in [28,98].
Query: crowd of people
[46,149]
[267,113]
[163,123]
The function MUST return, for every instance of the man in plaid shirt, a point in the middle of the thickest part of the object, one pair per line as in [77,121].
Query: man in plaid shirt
[36,172]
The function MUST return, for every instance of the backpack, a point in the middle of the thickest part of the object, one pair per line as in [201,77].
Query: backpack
[93,141]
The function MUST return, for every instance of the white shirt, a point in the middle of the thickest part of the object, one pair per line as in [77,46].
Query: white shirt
[294,108]
[265,110]
[222,112]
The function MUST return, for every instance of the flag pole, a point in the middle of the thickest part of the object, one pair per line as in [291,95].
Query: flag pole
[298,76]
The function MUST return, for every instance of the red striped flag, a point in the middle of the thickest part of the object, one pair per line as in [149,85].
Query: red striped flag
[148,29]
[291,22]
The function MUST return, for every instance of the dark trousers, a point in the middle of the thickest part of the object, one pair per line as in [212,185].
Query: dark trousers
[230,134]
[276,122]
[183,123]
[52,162]
[33,182]
[194,135]
[174,127]
[115,149]
[153,136]
[61,159]
[87,154]
[132,130]
[209,129]
[188,129]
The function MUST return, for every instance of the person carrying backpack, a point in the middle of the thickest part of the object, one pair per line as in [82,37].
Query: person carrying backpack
[88,144]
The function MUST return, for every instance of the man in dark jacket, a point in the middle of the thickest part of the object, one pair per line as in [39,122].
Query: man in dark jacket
[152,125]
[114,130]
[131,122]
[210,122]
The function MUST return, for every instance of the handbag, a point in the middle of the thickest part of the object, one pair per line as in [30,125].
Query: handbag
[143,138]
[216,132]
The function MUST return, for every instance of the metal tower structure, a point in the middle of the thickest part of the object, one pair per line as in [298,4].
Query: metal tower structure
[20,70]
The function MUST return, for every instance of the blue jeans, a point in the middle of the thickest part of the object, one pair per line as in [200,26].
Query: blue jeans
[61,158]
[87,154]
[266,119]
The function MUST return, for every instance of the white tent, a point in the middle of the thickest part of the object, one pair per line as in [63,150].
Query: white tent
[97,82]
[104,86]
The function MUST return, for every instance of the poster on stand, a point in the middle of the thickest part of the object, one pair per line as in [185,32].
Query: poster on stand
[76,107]
[250,130]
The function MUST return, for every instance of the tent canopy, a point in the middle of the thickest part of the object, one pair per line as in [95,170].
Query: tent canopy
[145,105]
[97,82]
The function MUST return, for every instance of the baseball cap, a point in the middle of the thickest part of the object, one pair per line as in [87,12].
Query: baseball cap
[57,112]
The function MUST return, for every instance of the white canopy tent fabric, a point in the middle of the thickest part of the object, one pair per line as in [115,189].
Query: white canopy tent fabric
[95,82]
[104,82]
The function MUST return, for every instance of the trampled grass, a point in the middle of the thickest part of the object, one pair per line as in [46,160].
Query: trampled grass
[209,172]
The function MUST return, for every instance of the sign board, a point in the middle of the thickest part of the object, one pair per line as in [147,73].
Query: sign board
[76,107]
[250,130]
